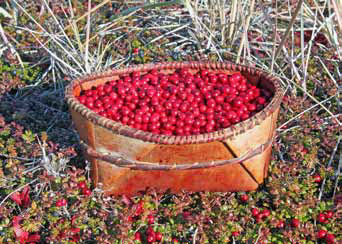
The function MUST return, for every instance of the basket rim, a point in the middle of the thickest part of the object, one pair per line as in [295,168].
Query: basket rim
[219,135]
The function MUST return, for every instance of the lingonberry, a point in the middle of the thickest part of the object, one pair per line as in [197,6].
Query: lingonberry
[295,223]
[150,219]
[159,236]
[151,238]
[321,234]
[82,185]
[61,202]
[330,238]
[321,218]
[258,218]
[86,192]
[329,214]
[235,233]
[155,101]
[317,178]
[244,198]
[255,212]
[265,213]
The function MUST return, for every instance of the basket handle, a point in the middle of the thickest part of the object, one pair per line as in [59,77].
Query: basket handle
[138,165]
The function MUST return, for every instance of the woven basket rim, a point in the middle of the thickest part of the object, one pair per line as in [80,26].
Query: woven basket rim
[219,135]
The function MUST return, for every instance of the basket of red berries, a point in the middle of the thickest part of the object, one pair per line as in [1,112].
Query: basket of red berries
[196,126]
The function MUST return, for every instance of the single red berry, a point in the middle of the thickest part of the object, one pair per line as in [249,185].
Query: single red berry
[330,238]
[258,218]
[137,236]
[235,233]
[255,212]
[150,219]
[265,213]
[151,238]
[159,236]
[64,202]
[174,240]
[295,223]
[317,178]
[82,185]
[136,50]
[149,230]
[321,234]
[86,192]
[129,219]
[244,198]
[321,218]
[329,214]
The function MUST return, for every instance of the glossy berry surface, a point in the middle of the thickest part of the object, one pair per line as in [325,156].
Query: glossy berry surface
[317,178]
[295,223]
[244,198]
[182,103]
[321,234]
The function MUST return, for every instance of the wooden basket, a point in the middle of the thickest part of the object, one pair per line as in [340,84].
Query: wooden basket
[126,160]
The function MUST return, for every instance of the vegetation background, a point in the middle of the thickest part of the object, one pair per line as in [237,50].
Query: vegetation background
[44,44]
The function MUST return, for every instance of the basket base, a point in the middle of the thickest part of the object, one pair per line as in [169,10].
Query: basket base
[228,178]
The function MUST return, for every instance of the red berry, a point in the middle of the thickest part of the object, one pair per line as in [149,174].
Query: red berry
[174,240]
[330,238]
[64,202]
[151,238]
[150,230]
[329,214]
[61,202]
[321,218]
[159,236]
[82,185]
[244,198]
[295,223]
[258,218]
[265,213]
[255,212]
[86,192]
[321,234]
[317,178]
[235,233]
[137,236]
[150,219]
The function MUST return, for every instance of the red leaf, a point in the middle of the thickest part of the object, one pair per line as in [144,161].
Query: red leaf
[34,238]
[16,196]
[25,197]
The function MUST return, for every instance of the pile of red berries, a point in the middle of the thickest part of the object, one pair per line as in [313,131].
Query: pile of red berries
[180,103]
[260,215]
[152,236]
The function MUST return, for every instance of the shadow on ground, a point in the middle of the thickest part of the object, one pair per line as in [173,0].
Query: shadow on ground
[42,109]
